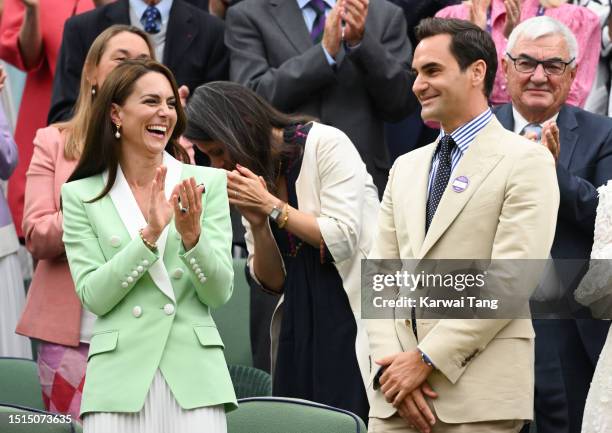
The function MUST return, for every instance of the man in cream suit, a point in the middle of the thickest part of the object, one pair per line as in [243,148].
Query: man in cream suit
[479,192]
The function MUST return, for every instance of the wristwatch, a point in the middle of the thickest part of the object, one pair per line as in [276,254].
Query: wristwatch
[275,213]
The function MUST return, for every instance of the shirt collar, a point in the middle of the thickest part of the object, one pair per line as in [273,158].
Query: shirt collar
[302,3]
[520,122]
[139,6]
[466,133]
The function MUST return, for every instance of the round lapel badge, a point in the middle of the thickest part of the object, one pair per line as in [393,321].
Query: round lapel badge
[460,184]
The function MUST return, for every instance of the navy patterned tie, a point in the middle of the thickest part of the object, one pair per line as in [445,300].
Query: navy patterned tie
[440,182]
[316,34]
[151,20]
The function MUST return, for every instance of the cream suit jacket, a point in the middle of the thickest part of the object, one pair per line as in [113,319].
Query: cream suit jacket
[484,367]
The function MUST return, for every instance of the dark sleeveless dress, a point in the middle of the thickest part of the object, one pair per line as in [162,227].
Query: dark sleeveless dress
[316,352]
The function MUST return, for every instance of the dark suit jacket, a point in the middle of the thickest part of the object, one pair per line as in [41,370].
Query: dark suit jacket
[194,49]
[585,163]
[271,52]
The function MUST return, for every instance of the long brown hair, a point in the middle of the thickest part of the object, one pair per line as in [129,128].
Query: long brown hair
[102,149]
[241,121]
[76,127]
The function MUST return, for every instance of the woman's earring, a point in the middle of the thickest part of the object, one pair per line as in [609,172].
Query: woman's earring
[93,90]
[117,133]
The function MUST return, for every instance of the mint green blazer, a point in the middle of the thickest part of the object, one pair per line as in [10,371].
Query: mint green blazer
[153,308]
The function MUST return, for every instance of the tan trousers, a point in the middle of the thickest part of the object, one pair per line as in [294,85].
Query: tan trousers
[396,424]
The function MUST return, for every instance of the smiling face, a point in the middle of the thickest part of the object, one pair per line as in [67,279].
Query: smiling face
[218,154]
[536,95]
[446,93]
[122,46]
[148,116]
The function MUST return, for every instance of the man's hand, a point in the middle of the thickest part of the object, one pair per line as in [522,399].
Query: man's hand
[354,14]
[415,410]
[405,372]
[513,16]
[332,35]
[550,139]
[478,12]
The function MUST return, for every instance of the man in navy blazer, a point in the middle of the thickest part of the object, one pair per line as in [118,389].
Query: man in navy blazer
[539,67]
[191,41]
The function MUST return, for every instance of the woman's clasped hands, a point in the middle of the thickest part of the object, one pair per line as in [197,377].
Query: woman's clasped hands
[185,204]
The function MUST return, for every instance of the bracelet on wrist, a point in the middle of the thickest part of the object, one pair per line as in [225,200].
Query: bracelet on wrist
[150,245]
[284,216]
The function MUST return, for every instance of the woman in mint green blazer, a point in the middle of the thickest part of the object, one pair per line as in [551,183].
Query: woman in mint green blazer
[156,360]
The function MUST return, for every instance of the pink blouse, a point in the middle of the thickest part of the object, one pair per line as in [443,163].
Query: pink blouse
[580,20]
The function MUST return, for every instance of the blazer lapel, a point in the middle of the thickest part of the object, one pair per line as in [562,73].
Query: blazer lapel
[505,116]
[416,196]
[133,219]
[566,122]
[289,18]
[180,34]
[117,13]
[475,165]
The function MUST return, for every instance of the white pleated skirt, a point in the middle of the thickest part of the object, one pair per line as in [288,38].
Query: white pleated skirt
[12,301]
[161,414]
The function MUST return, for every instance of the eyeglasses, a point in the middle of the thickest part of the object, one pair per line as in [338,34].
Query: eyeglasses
[527,65]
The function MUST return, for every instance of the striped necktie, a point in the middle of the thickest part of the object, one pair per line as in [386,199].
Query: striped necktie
[316,34]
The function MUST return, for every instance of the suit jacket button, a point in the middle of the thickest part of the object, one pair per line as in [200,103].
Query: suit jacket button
[137,311]
[192,261]
[145,262]
[139,268]
[134,274]
[124,284]
[130,280]
[178,273]
[202,279]
[115,241]
[169,309]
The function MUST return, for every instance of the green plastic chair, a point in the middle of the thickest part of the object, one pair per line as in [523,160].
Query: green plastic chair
[250,381]
[288,415]
[34,421]
[233,319]
[19,383]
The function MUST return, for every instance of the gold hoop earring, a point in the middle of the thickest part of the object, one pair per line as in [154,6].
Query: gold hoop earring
[118,133]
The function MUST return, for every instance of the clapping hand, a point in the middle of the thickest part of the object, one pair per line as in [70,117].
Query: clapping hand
[332,34]
[550,138]
[354,14]
[478,12]
[513,15]
[160,209]
[30,4]
[188,211]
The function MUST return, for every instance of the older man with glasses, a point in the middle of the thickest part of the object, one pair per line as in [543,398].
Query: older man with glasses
[540,66]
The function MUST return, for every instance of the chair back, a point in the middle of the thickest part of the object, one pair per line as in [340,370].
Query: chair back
[19,383]
[287,415]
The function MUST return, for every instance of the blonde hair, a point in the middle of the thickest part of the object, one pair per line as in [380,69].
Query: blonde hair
[552,3]
[76,127]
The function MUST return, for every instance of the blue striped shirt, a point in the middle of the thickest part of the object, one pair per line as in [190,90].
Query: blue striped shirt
[463,136]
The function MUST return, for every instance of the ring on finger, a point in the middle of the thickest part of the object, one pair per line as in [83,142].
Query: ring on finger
[236,194]
[184,209]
